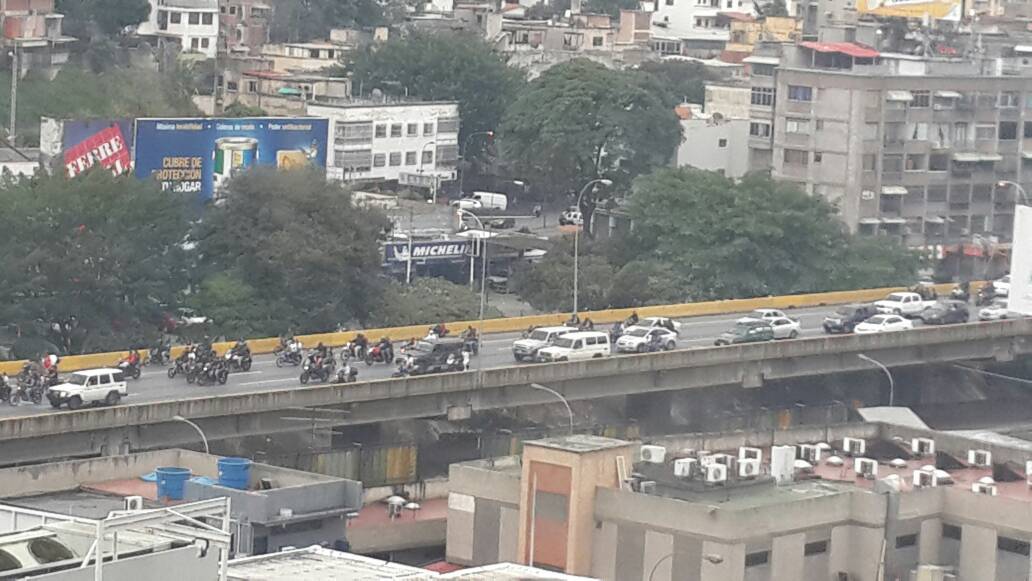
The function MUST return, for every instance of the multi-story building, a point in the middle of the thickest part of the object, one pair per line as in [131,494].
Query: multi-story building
[192,24]
[386,141]
[32,34]
[284,93]
[856,502]
[713,141]
[905,146]
[243,26]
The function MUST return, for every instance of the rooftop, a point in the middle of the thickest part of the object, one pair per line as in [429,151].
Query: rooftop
[22,154]
[579,443]
[319,564]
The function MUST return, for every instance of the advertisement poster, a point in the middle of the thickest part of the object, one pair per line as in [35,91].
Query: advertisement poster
[1019,299]
[84,144]
[423,251]
[201,155]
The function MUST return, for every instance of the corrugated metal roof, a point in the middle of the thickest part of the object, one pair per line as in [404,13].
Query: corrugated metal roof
[850,48]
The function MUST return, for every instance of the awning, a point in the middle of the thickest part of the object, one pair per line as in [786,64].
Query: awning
[948,94]
[289,91]
[990,157]
[899,96]
[848,48]
[934,220]
[894,220]
[893,191]
[761,60]
[968,157]
[1023,48]
[870,221]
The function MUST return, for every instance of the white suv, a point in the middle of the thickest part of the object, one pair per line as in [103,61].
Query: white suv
[89,386]
[528,347]
[576,346]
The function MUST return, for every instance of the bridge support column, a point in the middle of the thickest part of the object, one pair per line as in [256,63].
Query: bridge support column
[651,410]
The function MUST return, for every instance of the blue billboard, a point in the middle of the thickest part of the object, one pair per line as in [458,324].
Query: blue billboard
[201,155]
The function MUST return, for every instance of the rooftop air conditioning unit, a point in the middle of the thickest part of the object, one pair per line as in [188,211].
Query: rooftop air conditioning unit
[133,503]
[810,452]
[748,468]
[982,458]
[745,453]
[866,468]
[647,487]
[854,446]
[983,488]
[1028,472]
[653,454]
[685,467]
[924,479]
[706,458]
[716,473]
[922,446]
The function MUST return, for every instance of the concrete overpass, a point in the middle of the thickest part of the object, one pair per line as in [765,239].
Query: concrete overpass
[123,428]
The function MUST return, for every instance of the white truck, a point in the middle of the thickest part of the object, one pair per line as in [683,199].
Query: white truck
[89,386]
[905,304]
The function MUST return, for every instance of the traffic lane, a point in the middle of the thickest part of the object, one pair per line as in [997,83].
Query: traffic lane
[154,384]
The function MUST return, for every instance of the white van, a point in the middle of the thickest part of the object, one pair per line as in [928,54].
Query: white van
[576,346]
[528,347]
[491,200]
[89,386]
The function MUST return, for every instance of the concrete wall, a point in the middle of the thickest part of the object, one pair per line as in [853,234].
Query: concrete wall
[721,146]
[483,513]
[170,565]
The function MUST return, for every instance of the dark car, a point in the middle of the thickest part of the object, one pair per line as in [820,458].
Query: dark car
[438,356]
[748,332]
[946,312]
[847,317]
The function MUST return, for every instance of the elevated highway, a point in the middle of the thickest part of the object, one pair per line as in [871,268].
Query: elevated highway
[148,425]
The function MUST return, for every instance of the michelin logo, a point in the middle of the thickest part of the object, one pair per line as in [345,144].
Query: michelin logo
[401,251]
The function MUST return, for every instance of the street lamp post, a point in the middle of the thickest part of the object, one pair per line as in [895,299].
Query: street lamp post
[462,154]
[892,384]
[483,281]
[433,184]
[569,410]
[576,237]
[1016,186]
[196,427]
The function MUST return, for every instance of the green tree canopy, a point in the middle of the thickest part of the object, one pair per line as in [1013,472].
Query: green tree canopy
[294,249]
[109,17]
[102,250]
[301,21]
[548,285]
[428,301]
[684,81]
[238,109]
[579,120]
[442,67]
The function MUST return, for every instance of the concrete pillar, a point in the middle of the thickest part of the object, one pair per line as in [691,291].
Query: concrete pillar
[659,553]
[603,558]
[857,550]
[786,556]
[460,535]
[721,562]
[977,554]
[929,542]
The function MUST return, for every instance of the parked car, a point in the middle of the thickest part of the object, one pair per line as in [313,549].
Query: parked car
[89,386]
[571,217]
[638,339]
[1001,286]
[884,324]
[946,312]
[763,315]
[906,304]
[665,322]
[785,328]
[440,356]
[526,349]
[994,312]
[747,332]
[847,317]
[466,204]
[577,346]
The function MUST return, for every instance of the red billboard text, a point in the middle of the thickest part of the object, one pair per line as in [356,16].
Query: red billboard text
[106,148]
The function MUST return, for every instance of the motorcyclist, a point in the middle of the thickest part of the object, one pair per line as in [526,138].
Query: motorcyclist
[5,387]
[588,324]
[633,319]
[50,367]
[573,321]
[616,331]
[360,345]
[133,359]
[386,349]
[655,342]
[240,349]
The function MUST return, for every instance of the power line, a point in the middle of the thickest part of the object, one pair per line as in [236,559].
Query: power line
[991,374]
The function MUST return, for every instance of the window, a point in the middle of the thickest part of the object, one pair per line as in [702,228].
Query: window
[206,18]
[232,86]
[796,157]
[354,132]
[381,131]
[669,2]
[763,129]
[195,43]
[596,41]
[396,130]
[916,162]
[756,559]
[1012,545]
[1028,130]
[960,132]
[428,129]
[981,193]
[1028,101]
[721,143]
[895,133]
[797,125]
[892,163]
[939,162]
[904,541]
[395,158]
[922,99]
[195,17]
[819,124]
[762,96]
[936,193]
[428,156]
[818,156]
[800,93]
[354,160]
[379,160]
[918,131]
[1008,130]
[986,100]
[870,131]
[222,9]
[815,548]
[204,43]
[413,130]
[448,125]
[1009,99]
[232,9]
[985,132]
[761,70]
[410,158]
[870,161]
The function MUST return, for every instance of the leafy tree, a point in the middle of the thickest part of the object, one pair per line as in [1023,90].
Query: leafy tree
[100,253]
[300,21]
[548,285]
[684,81]
[610,7]
[238,109]
[109,17]
[436,67]
[235,307]
[292,247]
[645,282]
[579,120]
[428,301]
[776,8]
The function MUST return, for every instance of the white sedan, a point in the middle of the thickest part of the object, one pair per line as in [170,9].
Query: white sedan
[1001,286]
[994,312]
[637,339]
[763,315]
[884,324]
[664,322]
[785,328]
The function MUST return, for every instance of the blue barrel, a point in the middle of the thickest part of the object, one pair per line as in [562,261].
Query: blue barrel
[234,472]
[171,480]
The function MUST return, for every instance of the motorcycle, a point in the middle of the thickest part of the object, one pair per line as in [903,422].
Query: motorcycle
[26,393]
[321,371]
[288,356]
[238,361]
[347,374]
[179,366]
[160,355]
[986,295]
[214,371]
[381,353]
[960,292]
[130,370]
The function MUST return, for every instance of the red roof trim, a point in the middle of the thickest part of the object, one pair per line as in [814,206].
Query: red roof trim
[852,49]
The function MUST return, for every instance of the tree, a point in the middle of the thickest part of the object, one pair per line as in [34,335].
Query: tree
[548,285]
[295,21]
[428,301]
[97,255]
[579,120]
[442,67]
[776,8]
[292,247]
[110,17]
[684,81]
[238,109]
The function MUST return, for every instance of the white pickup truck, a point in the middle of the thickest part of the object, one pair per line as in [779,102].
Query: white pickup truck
[904,304]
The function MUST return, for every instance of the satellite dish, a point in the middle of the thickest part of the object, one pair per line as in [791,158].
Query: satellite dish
[898,463]
[396,501]
[834,461]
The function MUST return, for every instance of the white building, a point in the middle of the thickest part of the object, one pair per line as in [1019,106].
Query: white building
[194,24]
[713,142]
[378,141]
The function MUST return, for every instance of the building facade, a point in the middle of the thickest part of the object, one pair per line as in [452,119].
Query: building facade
[243,26]
[193,24]
[713,142]
[385,141]
[32,34]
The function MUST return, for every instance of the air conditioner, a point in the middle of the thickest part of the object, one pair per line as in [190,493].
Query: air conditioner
[980,458]
[922,446]
[133,503]
[706,459]
[923,479]
[810,452]
[653,454]
[725,459]
[981,488]
[716,473]
[685,467]
[745,453]
[647,487]
[854,446]
[748,468]
[1028,472]
[865,467]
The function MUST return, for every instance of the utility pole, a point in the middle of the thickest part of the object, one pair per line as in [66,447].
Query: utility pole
[408,267]
[15,73]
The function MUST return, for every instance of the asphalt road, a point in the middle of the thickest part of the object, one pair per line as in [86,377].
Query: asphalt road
[154,385]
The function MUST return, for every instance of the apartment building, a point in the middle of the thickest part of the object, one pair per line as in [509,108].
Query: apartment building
[386,141]
[192,24]
[856,502]
[906,146]
[244,26]
[32,34]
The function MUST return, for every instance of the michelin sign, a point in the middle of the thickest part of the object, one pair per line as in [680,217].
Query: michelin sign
[423,251]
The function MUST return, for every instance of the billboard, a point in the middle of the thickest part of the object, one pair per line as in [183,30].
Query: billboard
[80,145]
[423,251]
[917,9]
[200,155]
[1019,298]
